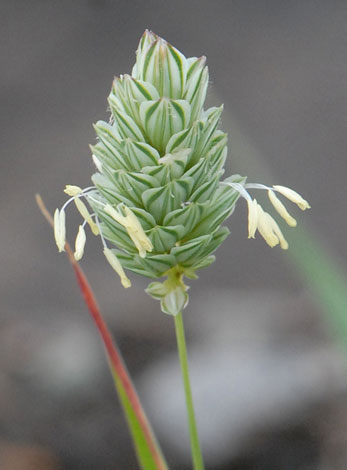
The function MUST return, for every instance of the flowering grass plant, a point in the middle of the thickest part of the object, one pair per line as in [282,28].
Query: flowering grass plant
[159,195]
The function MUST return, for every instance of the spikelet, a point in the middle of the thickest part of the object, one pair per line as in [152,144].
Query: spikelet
[158,198]
[162,157]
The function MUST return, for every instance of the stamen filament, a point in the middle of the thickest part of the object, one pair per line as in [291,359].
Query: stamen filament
[256,186]
[100,231]
[240,189]
[81,194]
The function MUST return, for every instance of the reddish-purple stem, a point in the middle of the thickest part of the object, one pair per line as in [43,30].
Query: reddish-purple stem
[113,353]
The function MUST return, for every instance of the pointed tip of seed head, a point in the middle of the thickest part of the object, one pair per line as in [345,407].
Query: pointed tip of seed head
[149,32]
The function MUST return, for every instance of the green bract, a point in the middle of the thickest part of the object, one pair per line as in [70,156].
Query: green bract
[162,156]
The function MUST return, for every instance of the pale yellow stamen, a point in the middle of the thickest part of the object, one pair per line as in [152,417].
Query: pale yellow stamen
[277,231]
[133,227]
[116,265]
[293,196]
[80,243]
[59,229]
[82,208]
[137,234]
[281,209]
[115,214]
[265,227]
[269,230]
[72,190]
[252,217]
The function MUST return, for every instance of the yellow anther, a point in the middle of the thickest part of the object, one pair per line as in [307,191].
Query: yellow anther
[115,214]
[293,196]
[281,209]
[133,227]
[59,229]
[72,190]
[116,265]
[82,208]
[269,230]
[265,227]
[80,243]
[252,217]
[137,234]
[277,231]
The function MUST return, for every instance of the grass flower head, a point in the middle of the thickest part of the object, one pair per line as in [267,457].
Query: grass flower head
[159,200]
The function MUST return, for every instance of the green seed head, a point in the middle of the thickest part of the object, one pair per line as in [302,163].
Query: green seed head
[158,197]
[162,156]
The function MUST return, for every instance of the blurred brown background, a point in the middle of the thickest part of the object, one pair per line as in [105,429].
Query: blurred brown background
[268,374]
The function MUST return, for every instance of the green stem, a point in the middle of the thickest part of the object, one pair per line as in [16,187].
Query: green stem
[193,431]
